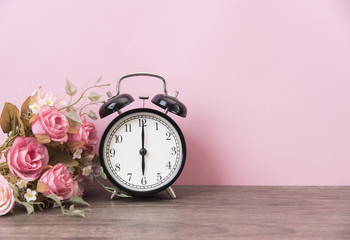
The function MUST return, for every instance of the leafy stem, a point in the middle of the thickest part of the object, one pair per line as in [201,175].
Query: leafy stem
[108,189]
[9,141]
[82,95]
[89,104]
[70,100]
[3,165]
[111,189]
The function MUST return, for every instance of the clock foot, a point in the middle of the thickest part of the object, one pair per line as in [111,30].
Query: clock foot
[171,192]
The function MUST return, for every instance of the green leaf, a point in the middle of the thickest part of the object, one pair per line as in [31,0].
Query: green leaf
[74,118]
[26,112]
[71,90]
[102,174]
[122,195]
[75,212]
[10,120]
[79,213]
[56,199]
[94,96]
[59,155]
[98,80]
[96,159]
[28,206]
[9,117]
[14,189]
[77,200]
[92,115]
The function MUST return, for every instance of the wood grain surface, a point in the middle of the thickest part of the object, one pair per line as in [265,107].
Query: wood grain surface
[199,212]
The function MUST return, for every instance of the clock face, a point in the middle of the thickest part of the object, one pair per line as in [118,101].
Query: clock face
[142,151]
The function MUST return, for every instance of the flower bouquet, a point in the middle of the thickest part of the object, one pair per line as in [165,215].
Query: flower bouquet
[48,156]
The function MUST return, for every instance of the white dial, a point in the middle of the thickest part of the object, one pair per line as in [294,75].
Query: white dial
[142,151]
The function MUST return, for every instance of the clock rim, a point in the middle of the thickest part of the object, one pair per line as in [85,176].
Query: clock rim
[103,139]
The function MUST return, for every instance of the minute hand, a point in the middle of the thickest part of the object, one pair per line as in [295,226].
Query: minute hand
[143,135]
[143,150]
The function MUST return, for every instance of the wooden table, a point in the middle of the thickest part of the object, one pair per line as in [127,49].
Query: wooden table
[199,212]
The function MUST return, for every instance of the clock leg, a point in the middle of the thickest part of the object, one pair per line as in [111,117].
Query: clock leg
[171,192]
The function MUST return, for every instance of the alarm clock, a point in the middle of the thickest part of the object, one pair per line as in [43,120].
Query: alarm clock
[143,151]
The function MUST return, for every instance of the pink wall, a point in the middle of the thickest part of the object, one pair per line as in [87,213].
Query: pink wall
[266,83]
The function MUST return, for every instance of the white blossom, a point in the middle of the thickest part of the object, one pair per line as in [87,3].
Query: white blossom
[35,108]
[21,184]
[77,154]
[87,170]
[30,195]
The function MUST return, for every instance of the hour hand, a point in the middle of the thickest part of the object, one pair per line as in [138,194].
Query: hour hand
[143,151]
[143,165]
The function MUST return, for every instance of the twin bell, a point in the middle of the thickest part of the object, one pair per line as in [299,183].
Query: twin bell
[118,101]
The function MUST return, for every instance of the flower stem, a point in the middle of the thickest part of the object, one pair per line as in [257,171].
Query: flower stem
[3,165]
[108,189]
[82,95]
[89,104]
[70,100]
[8,141]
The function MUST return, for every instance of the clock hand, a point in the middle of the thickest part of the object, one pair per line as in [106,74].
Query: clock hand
[143,165]
[143,135]
[143,151]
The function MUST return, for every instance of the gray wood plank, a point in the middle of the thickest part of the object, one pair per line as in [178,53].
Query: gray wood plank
[199,212]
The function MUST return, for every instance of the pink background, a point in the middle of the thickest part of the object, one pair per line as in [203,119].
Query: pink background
[266,83]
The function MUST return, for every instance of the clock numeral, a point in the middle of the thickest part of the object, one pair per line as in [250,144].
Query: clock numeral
[127,127]
[117,167]
[111,152]
[142,121]
[168,165]
[118,138]
[157,127]
[168,135]
[129,175]
[143,181]
[173,151]
[159,177]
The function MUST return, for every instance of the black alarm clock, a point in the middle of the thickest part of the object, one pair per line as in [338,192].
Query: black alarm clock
[143,151]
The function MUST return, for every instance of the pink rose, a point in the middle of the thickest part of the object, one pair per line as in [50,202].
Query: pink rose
[86,133]
[53,123]
[26,158]
[7,199]
[59,182]
[78,189]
